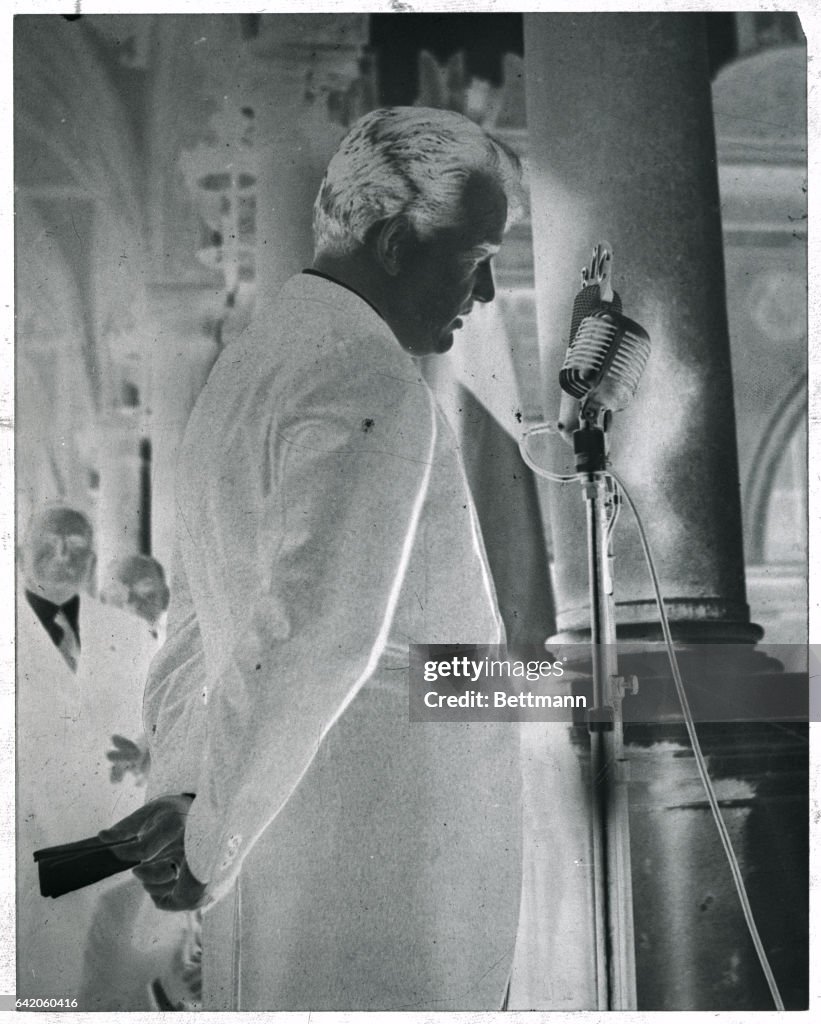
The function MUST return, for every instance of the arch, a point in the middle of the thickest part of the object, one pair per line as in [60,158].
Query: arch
[778,431]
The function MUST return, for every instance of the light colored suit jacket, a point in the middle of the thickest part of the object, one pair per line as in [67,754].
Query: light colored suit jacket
[324,523]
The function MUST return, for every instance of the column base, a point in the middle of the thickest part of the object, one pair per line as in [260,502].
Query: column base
[692,620]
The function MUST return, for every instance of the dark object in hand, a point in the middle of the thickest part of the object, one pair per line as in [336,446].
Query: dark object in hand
[73,866]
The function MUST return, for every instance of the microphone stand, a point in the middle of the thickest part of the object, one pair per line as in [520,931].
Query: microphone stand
[609,770]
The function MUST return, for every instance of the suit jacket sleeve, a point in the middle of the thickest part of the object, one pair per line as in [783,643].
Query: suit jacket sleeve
[350,467]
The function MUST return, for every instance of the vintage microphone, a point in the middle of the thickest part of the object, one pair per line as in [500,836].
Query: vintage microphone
[608,351]
[604,362]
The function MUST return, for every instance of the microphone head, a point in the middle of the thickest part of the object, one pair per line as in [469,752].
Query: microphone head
[588,300]
[605,360]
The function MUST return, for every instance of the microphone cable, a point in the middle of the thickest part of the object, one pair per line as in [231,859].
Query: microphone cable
[542,428]
[701,763]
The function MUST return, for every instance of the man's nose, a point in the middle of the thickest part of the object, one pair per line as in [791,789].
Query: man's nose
[484,290]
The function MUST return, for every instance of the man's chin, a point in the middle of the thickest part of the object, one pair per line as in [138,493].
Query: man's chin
[427,343]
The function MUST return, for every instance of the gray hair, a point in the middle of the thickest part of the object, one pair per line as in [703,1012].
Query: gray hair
[412,161]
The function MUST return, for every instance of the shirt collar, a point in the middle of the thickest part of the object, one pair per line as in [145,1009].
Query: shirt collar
[335,280]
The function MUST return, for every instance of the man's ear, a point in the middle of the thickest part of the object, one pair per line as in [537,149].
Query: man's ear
[392,241]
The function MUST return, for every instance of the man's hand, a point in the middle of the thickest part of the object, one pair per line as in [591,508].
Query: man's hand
[155,835]
[129,756]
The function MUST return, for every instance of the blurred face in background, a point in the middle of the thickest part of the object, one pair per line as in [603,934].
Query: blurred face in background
[59,554]
[148,596]
[137,583]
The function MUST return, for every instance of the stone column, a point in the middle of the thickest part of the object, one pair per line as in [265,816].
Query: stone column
[622,148]
[119,502]
[293,69]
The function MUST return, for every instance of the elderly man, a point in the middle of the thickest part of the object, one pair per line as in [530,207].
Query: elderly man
[81,669]
[56,561]
[346,858]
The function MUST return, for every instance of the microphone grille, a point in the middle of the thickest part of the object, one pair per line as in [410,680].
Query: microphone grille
[606,359]
[588,300]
